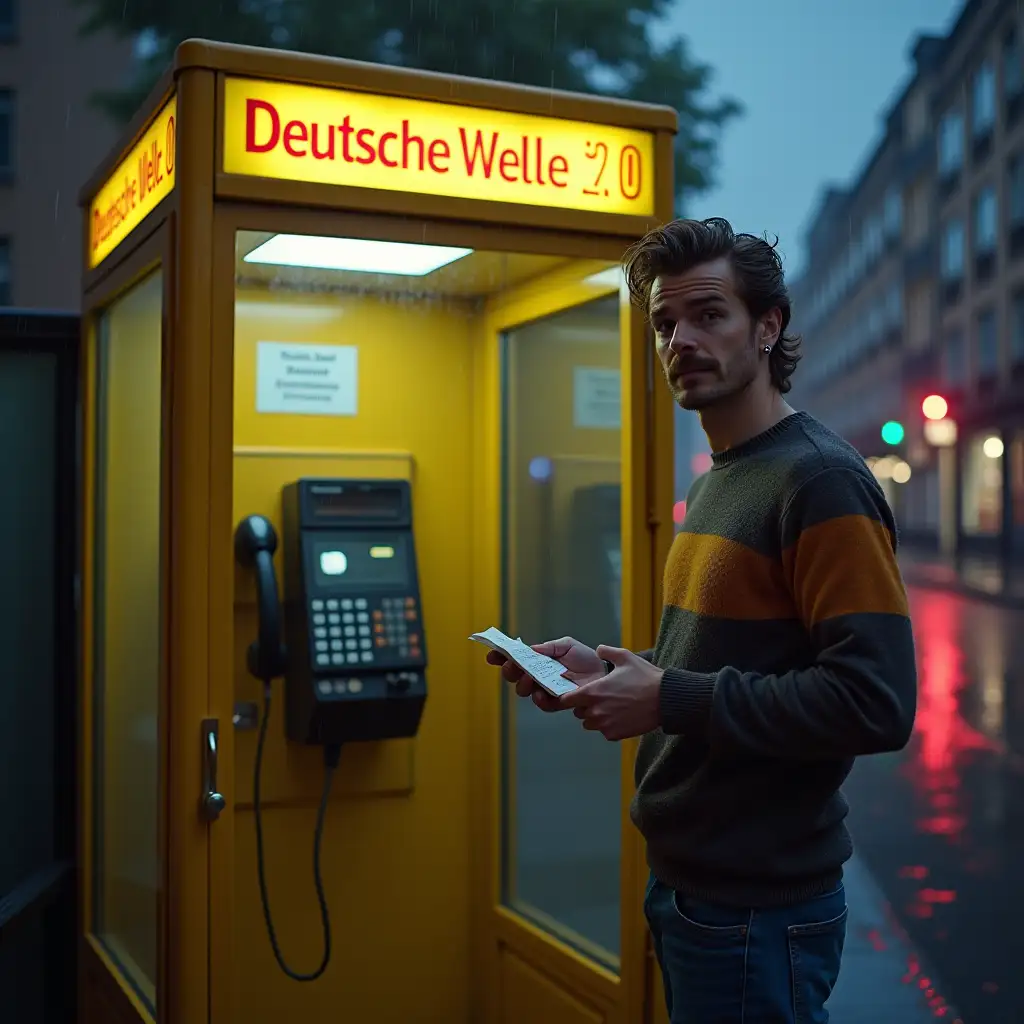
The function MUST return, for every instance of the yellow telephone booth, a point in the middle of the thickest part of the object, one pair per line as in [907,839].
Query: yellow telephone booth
[361,380]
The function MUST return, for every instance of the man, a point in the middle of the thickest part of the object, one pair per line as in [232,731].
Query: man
[784,652]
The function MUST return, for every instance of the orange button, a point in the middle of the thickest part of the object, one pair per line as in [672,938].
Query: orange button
[381,642]
[414,638]
[410,616]
[410,602]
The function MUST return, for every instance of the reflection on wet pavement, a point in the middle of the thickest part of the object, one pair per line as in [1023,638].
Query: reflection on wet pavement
[939,825]
[883,979]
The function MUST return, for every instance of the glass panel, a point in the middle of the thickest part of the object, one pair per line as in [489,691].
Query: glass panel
[982,508]
[1017,491]
[562,478]
[127,634]
[28,445]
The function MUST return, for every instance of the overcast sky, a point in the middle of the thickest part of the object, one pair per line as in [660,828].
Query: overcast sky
[814,77]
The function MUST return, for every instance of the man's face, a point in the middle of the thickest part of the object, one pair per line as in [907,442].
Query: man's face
[708,344]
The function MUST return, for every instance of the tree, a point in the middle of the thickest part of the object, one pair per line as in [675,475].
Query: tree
[593,46]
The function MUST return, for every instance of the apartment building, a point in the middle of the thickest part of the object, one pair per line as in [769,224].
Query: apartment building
[51,138]
[916,286]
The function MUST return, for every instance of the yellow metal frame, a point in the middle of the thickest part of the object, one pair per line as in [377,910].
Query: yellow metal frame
[191,234]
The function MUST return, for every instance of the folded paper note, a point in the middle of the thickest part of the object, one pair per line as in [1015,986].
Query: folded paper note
[544,670]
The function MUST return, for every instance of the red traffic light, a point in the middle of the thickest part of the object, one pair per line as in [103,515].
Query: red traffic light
[935,407]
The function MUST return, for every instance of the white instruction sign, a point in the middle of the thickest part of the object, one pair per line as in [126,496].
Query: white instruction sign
[596,398]
[311,380]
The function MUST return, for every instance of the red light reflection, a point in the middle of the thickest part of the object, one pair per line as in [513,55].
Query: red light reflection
[942,736]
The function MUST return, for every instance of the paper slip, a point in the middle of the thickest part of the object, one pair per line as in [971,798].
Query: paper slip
[546,671]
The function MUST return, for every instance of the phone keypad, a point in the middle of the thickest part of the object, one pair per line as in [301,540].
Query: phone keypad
[396,625]
[358,631]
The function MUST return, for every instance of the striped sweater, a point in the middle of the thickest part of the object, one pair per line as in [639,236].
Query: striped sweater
[788,652]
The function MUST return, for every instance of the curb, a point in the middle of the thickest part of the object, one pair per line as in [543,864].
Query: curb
[924,582]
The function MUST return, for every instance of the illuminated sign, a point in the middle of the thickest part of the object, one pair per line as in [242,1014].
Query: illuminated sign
[142,179]
[304,133]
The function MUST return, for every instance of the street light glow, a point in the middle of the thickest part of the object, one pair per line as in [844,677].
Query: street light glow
[993,447]
[935,407]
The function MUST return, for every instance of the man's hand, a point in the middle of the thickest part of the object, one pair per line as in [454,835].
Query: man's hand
[582,665]
[622,704]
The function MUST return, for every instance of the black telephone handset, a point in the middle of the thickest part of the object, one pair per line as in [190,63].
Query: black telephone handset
[255,546]
[266,659]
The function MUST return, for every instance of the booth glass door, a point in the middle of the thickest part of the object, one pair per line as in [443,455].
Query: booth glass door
[562,577]
[569,890]
[125,658]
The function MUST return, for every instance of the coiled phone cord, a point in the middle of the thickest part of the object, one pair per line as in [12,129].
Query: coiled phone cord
[332,754]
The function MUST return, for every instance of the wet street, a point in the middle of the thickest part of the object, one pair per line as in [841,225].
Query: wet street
[940,826]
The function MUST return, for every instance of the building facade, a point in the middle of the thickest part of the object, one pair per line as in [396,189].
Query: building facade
[51,139]
[915,286]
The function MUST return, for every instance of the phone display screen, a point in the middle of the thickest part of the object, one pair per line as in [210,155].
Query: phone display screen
[344,561]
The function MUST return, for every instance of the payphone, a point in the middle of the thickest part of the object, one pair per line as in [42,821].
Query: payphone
[353,653]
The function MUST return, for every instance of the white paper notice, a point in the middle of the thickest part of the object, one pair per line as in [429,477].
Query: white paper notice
[596,398]
[306,380]
[546,671]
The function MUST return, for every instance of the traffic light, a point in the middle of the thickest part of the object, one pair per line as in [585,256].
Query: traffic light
[935,407]
[892,432]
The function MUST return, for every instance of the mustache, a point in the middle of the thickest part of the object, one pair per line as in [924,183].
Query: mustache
[679,367]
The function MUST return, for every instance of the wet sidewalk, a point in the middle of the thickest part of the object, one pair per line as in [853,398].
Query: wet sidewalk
[883,979]
[971,576]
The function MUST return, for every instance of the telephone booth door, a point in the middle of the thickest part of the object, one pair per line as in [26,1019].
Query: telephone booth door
[124,640]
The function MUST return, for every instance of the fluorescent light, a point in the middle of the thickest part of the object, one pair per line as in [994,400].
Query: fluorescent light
[357,254]
[612,278]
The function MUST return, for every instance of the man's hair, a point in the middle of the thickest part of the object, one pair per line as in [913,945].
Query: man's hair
[757,266]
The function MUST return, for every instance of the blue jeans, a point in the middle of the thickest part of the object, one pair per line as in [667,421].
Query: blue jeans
[724,965]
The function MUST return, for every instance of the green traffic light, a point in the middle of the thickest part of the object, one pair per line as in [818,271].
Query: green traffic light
[892,432]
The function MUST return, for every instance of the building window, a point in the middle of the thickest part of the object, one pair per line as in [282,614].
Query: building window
[893,213]
[953,251]
[1016,455]
[951,143]
[988,344]
[873,238]
[985,224]
[6,132]
[982,507]
[1013,72]
[894,306]
[876,323]
[983,101]
[7,18]
[918,213]
[1015,176]
[954,363]
[5,272]
[1017,330]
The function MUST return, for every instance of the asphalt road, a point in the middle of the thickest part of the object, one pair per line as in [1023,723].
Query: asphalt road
[940,826]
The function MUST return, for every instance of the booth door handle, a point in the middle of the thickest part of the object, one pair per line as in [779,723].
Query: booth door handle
[212,802]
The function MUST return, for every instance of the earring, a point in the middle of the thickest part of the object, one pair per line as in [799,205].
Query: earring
[768,350]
